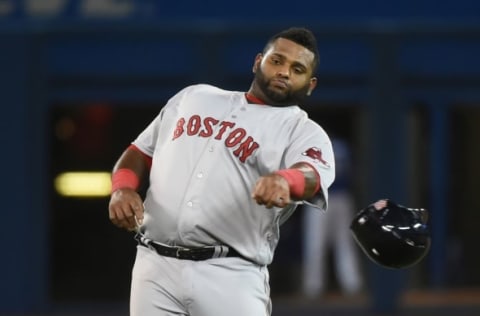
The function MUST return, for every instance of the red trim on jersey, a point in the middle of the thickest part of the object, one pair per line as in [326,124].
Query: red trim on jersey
[148,159]
[253,99]
[317,187]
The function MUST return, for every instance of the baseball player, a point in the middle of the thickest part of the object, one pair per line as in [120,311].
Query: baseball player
[225,170]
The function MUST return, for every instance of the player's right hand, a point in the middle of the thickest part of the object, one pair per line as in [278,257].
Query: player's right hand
[272,191]
[126,209]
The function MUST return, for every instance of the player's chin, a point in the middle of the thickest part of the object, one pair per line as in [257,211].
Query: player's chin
[279,96]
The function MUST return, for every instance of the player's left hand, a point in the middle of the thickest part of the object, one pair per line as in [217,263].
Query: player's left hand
[272,190]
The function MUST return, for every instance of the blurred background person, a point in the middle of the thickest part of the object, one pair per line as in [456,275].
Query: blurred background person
[328,232]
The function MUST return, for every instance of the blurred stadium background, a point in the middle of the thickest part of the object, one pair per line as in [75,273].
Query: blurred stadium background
[400,80]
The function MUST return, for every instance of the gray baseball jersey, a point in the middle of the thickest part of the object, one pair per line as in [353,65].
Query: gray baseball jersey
[209,147]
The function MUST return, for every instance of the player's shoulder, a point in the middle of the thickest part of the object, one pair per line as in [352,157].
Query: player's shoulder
[207,89]
[305,123]
[299,115]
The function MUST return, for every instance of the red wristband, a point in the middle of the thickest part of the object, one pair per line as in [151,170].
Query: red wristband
[296,181]
[124,178]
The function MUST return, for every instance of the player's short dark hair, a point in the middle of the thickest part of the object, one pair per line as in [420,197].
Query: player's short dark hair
[301,36]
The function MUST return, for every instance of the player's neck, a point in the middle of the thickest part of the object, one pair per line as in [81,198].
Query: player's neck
[253,99]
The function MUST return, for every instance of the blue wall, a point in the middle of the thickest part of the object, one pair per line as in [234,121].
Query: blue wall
[251,10]
[158,46]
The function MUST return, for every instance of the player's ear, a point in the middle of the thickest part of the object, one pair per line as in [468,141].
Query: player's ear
[312,85]
[256,63]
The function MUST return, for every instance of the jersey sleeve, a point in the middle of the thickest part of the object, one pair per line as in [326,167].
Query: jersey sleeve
[312,145]
[146,141]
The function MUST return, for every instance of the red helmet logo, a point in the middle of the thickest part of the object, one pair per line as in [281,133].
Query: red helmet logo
[315,154]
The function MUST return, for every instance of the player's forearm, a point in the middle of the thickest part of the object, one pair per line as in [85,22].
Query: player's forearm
[303,180]
[130,170]
[312,179]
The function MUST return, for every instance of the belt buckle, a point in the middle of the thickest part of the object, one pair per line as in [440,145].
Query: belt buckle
[178,253]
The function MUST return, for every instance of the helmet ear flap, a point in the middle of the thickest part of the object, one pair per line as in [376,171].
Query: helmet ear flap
[392,235]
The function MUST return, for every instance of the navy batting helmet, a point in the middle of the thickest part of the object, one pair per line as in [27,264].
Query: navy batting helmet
[392,235]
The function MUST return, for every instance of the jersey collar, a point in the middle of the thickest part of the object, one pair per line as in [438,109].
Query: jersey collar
[253,99]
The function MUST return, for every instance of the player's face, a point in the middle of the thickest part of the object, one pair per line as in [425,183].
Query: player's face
[283,74]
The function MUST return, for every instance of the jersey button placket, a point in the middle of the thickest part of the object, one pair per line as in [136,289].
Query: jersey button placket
[199,175]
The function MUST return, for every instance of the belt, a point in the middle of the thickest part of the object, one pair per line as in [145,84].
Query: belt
[195,254]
